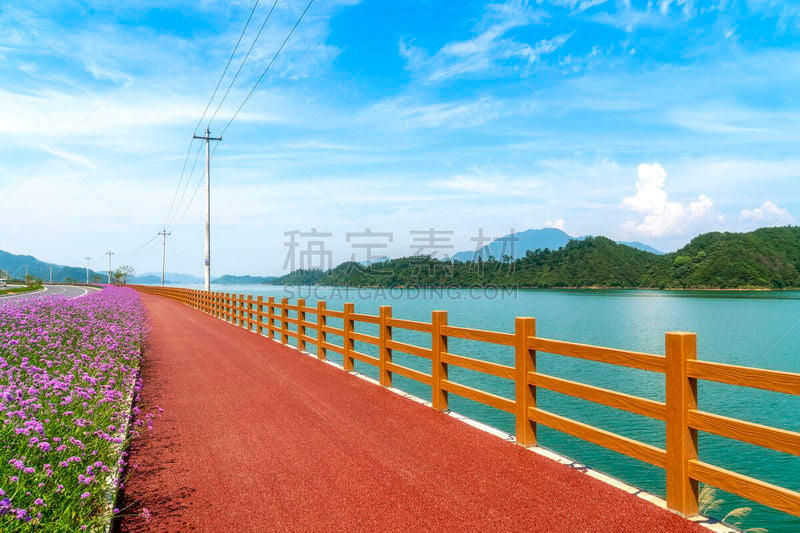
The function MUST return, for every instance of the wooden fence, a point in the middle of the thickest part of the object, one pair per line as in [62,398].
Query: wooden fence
[679,365]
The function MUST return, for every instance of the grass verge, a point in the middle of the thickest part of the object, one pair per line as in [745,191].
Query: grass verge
[17,290]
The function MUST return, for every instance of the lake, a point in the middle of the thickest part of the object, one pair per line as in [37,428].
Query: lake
[751,328]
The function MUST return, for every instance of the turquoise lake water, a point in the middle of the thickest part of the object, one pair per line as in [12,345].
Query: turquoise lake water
[757,328]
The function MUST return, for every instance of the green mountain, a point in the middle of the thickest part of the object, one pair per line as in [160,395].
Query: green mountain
[16,266]
[765,258]
[517,245]
[170,277]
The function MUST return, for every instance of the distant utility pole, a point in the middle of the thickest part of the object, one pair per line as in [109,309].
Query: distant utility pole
[207,272]
[51,274]
[87,268]
[109,254]
[164,233]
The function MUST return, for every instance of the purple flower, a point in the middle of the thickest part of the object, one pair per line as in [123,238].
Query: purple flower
[85,495]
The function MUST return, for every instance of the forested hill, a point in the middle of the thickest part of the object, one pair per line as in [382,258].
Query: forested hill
[765,258]
[17,265]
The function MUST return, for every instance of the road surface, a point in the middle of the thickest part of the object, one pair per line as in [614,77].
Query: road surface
[67,291]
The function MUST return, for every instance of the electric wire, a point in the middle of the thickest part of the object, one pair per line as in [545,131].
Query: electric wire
[191,201]
[241,66]
[134,250]
[274,57]
[169,223]
[208,105]
[172,223]
[180,181]
[228,64]
[152,246]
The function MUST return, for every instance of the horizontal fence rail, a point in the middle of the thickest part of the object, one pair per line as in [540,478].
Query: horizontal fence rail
[679,366]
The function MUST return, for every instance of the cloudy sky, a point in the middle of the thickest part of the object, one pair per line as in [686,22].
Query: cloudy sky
[639,120]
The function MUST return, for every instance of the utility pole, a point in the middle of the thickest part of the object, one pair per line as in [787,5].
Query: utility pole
[87,268]
[51,274]
[164,233]
[207,270]
[109,254]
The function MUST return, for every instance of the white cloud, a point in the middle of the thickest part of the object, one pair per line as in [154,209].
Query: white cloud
[628,18]
[489,51]
[405,112]
[104,73]
[768,214]
[662,217]
[490,181]
[312,144]
[70,157]
[558,224]
[578,6]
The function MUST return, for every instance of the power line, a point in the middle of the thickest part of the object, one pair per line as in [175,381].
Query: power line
[208,104]
[186,186]
[274,57]
[241,66]
[180,180]
[133,251]
[152,244]
[228,64]
[191,200]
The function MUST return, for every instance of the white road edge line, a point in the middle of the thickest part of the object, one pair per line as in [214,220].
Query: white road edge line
[20,295]
[85,292]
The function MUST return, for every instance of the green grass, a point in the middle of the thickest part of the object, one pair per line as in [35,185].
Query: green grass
[16,290]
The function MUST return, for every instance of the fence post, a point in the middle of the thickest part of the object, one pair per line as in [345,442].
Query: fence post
[385,353]
[438,368]
[349,343]
[681,396]
[322,337]
[240,310]
[301,324]
[227,307]
[284,324]
[271,317]
[259,320]
[526,393]
[253,320]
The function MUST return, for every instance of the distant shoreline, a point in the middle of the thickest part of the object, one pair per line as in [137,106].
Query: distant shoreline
[588,288]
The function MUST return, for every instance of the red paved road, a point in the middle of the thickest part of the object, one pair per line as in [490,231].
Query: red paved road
[256,437]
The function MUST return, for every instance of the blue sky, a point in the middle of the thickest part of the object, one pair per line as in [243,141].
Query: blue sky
[650,121]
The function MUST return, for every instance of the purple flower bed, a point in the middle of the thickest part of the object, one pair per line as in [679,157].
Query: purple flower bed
[68,372]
